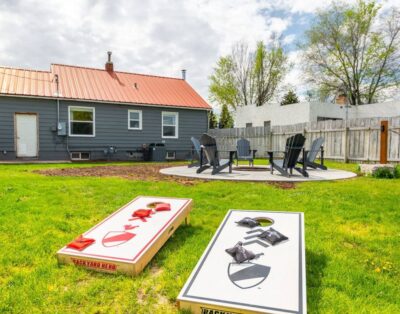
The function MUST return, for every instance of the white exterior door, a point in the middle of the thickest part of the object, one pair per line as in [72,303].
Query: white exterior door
[26,135]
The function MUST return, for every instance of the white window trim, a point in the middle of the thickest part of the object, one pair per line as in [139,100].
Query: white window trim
[140,120]
[80,156]
[176,126]
[69,121]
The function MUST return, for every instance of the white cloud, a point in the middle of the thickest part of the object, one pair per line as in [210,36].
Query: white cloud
[294,79]
[156,36]
[312,6]
[300,6]
[278,25]
[289,39]
[159,37]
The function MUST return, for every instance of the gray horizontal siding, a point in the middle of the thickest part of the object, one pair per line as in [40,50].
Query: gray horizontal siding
[111,127]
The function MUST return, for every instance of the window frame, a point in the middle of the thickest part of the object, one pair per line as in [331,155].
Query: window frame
[173,157]
[80,155]
[140,119]
[82,108]
[176,114]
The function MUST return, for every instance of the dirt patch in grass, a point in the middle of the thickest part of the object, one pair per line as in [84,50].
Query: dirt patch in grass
[137,172]
[283,185]
[141,296]
[156,271]
[150,172]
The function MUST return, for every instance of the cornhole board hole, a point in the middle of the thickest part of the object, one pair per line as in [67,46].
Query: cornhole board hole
[123,245]
[275,282]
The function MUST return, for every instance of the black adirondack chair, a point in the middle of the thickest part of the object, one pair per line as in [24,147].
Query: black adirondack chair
[311,155]
[195,152]
[294,147]
[244,152]
[209,150]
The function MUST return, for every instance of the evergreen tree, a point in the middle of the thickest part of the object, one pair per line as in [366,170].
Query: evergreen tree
[212,120]
[289,98]
[225,120]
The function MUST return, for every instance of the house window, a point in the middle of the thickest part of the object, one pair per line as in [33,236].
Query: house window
[267,124]
[81,121]
[170,155]
[134,119]
[80,156]
[170,125]
[249,125]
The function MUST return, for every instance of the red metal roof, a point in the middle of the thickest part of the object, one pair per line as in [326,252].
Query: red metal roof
[88,84]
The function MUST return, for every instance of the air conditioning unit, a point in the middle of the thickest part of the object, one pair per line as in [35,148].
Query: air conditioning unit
[80,156]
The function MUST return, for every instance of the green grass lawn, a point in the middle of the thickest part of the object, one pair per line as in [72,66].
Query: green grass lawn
[352,241]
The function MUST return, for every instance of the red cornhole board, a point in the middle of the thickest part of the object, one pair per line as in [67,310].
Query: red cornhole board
[125,243]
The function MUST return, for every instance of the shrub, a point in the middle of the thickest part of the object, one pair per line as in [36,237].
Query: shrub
[358,170]
[384,173]
[397,171]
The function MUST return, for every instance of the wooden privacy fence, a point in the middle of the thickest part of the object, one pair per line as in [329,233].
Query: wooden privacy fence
[356,140]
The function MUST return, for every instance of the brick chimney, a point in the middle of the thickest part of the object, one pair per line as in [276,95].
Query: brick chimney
[341,99]
[109,65]
[341,96]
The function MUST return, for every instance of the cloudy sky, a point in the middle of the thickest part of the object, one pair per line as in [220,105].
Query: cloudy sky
[154,37]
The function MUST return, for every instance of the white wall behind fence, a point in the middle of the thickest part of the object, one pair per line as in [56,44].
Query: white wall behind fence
[310,112]
[359,140]
[385,109]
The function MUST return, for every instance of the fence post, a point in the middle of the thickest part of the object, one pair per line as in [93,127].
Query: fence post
[271,137]
[384,142]
[346,144]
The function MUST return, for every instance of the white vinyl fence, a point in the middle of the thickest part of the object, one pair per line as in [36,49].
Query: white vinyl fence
[357,140]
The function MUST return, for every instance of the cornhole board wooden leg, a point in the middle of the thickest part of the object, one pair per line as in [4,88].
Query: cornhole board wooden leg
[126,244]
[187,219]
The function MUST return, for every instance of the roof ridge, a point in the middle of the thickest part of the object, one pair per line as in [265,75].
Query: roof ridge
[23,69]
[124,72]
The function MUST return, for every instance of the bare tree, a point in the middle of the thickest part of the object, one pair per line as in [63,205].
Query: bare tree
[242,64]
[269,69]
[350,47]
[244,77]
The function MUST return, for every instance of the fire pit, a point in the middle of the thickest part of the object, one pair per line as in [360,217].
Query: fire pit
[248,168]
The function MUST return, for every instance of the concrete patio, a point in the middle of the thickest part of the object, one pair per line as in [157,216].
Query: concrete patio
[259,175]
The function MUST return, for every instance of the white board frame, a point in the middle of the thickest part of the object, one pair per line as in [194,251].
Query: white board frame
[198,304]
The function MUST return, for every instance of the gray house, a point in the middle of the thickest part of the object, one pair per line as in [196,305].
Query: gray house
[80,113]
